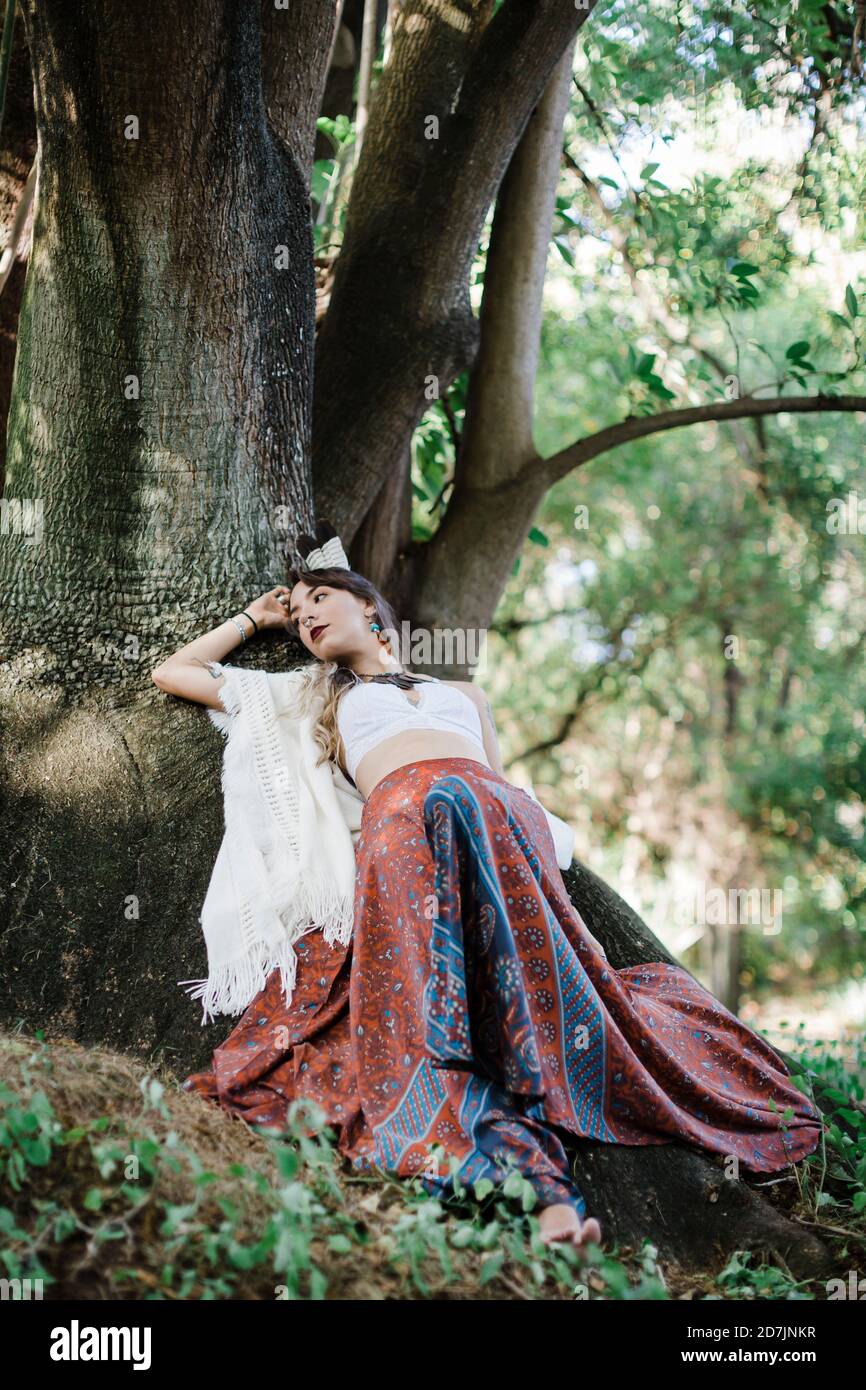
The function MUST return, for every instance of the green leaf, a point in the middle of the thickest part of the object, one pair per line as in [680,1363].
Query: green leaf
[491,1267]
[463,1236]
[36,1151]
[322,173]
[851,301]
[797,349]
[563,247]
[341,1245]
[658,387]
[538,536]
[566,212]
[287,1161]
[513,1185]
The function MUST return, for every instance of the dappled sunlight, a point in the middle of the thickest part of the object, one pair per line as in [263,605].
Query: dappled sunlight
[452,16]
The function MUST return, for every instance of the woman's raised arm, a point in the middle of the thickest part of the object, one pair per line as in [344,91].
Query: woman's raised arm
[187,674]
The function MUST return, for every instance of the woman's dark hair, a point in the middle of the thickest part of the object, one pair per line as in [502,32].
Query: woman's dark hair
[328,679]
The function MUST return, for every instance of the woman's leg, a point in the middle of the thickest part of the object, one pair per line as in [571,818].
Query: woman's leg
[412,1097]
[277,1053]
[642,1055]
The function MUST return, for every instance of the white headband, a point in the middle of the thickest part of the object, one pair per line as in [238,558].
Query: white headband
[331,555]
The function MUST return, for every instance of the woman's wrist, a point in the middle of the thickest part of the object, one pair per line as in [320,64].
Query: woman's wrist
[214,646]
[245,624]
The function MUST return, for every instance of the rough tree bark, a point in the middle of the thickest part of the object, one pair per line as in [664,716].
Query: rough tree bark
[160,430]
[494,473]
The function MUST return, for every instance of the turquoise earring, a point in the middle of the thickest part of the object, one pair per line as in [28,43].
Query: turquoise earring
[375,627]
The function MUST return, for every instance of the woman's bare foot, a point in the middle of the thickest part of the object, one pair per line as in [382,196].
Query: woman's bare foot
[561,1222]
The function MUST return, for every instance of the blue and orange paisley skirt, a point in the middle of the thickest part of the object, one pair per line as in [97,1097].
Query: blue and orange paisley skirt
[474,1017]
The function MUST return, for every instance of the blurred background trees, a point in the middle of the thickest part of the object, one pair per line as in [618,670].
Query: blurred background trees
[678,660]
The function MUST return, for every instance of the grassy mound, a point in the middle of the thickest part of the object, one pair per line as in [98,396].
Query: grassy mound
[116,1183]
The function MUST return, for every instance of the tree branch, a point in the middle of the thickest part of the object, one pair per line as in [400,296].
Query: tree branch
[296,50]
[640,426]
[449,110]
[497,431]
[567,720]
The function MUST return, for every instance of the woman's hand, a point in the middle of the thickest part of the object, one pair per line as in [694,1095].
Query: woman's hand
[272,609]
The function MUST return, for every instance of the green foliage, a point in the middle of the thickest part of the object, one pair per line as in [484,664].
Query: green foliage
[645,387]
[434,448]
[691,537]
[330,180]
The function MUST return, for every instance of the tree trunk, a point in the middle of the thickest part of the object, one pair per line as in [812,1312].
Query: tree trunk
[18,153]
[464,569]
[158,450]
[453,100]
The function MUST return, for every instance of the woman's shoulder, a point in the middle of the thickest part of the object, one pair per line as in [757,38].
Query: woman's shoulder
[471,688]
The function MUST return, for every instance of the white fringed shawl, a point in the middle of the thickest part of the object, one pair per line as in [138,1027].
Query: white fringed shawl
[286,865]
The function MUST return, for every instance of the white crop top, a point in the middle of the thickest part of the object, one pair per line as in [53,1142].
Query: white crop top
[372,711]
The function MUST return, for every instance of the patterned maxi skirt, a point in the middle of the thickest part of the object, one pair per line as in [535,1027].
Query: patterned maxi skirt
[474,1011]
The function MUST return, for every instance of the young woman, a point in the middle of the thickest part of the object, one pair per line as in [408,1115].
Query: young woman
[473,1009]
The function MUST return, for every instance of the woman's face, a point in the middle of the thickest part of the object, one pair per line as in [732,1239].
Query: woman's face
[331,622]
